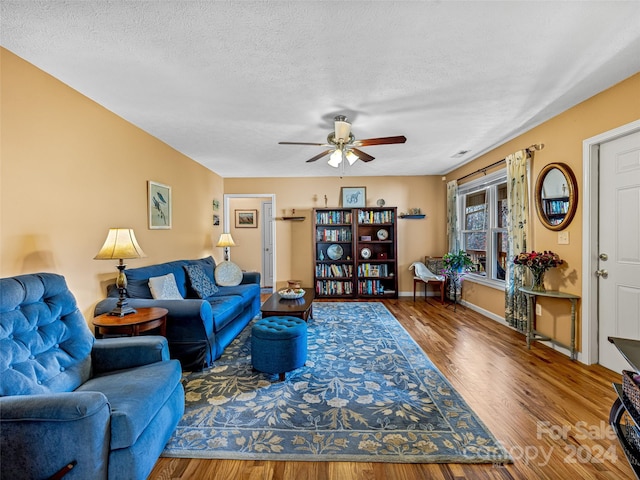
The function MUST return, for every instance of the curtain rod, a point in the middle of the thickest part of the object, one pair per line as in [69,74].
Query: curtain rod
[529,149]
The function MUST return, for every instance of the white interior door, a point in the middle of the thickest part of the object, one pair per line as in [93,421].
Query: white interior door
[267,244]
[619,247]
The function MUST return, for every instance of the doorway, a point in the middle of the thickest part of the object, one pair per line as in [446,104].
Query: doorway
[598,190]
[269,198]
[267,245]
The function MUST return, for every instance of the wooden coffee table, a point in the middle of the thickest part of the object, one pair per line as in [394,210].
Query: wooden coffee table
[134,324]
[302,307]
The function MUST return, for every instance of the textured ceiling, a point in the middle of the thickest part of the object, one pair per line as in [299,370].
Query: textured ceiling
[224,82]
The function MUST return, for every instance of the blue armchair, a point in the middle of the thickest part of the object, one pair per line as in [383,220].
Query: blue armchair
[96,409]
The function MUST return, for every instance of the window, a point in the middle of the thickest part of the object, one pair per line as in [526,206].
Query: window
[483,224]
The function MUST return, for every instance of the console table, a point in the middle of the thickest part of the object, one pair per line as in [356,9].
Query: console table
[531,333]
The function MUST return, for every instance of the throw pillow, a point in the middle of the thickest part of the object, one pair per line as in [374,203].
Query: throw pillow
[435,265]
[164,288]
[201,284]
[228,274]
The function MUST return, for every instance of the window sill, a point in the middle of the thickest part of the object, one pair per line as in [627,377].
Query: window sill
[479,279]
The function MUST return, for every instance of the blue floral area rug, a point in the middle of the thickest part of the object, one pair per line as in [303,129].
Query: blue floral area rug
[367,393]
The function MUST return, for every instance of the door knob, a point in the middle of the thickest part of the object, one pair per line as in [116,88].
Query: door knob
[604,257]
[602,273]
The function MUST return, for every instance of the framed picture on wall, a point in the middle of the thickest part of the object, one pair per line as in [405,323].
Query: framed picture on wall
[246,218]
[354,197]
[159,205]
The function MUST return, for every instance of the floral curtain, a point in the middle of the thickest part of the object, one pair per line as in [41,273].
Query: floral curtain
[452,216]
[517,232]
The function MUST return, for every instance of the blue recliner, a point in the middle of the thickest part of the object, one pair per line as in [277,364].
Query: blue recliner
[96,409]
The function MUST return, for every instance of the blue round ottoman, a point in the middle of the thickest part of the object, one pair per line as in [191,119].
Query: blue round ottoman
[278,345]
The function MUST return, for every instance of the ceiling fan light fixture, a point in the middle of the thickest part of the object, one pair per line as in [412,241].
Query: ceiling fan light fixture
[336,158]
[342,129]
[352,157]
[342,145]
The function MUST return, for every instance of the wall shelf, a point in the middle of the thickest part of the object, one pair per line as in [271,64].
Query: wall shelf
[294,219]
[413,216]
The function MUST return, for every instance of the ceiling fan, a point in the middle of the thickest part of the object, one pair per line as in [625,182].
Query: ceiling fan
[343,145]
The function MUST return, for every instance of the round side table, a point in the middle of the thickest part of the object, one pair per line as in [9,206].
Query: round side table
[134,324]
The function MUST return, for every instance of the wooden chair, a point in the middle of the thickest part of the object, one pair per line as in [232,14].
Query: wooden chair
[435,265]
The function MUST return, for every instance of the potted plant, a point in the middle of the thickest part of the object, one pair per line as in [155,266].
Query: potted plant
[456,265]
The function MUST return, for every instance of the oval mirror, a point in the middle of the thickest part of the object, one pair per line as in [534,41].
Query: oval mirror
[556,196]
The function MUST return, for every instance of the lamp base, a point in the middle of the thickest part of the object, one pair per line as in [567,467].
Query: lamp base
[122,311]
[122,307]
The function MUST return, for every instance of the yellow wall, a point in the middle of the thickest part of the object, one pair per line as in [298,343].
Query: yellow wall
[562,136]
[416,238]
[247,253]
[72,169]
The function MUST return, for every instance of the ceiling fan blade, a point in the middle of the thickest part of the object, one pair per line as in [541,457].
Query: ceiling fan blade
[365,157]
[320,155]
[302,143]
[380,141]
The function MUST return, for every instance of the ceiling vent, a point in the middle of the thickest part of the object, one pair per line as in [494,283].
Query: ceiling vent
[460,154]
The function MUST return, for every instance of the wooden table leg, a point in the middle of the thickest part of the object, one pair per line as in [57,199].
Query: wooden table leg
[573,329]
[163,327]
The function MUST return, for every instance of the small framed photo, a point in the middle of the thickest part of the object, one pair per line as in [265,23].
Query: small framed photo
[354,197]
[159,205]
[246,218]
[216,220]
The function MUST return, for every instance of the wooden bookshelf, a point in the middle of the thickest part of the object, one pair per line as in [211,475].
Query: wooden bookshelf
[355,252]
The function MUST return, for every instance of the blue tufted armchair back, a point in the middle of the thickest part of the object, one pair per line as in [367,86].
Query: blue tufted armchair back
[45,343]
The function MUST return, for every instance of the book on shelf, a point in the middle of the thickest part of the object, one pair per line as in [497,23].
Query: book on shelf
[370,270]
[375,216]
[370,287]
[333,217]
[333,235]
[329,270]
[334,287]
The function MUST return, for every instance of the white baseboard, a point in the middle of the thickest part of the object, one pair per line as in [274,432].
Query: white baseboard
[554,346]
[430,293]
[499,319]
[484,312]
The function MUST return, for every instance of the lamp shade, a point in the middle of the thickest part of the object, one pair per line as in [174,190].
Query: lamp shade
[351,157]
[120,243]
[225,240]
[342,129]
[335,159]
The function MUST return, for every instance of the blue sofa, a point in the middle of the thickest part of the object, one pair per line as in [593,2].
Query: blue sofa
[97,409]
[198,330]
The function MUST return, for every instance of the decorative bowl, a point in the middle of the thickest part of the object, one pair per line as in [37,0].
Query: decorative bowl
[382,234]
[335,252]
[291,293]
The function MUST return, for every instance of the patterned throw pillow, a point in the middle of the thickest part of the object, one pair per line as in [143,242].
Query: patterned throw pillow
[201,284]
[434,264]
[164,288]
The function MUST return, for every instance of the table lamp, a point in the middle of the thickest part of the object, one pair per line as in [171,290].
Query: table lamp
[227,273]
[121,243]
[226,241]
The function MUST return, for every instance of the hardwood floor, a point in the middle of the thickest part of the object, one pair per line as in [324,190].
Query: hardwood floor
[550,413]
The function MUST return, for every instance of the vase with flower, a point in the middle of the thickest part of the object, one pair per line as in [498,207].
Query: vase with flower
[538,263]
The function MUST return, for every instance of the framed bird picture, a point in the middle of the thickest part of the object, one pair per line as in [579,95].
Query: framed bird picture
[159,206]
